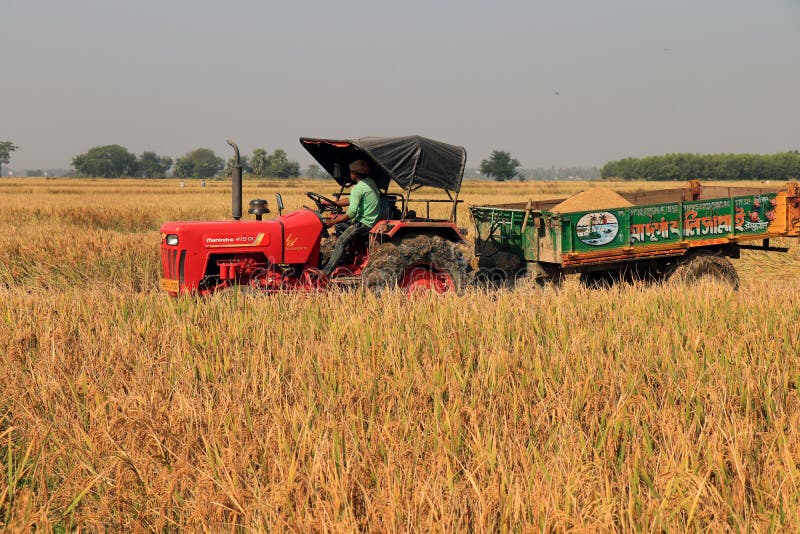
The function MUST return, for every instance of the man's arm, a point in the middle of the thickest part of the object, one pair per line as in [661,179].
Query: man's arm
[342,202]
[336,219]
[356,194]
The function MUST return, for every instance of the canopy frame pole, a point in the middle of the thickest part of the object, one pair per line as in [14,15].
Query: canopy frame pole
[405,203]
[454,211]
[340,193]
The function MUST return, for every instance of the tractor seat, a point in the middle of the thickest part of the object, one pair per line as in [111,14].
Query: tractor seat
[388,207]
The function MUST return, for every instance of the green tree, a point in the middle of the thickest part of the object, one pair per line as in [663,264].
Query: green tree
[781,166]
[6,148]
[280,166]
[244,161]
[109,161]
[199,163]
[313,171]
[151,165]
[500,166]
[258,161]
[183,168]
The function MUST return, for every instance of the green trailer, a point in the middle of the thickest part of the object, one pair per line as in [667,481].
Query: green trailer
[688,232]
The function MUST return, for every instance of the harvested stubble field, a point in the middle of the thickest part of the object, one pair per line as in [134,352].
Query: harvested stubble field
[635,408]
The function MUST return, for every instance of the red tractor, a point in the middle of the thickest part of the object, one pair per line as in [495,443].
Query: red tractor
[285,253]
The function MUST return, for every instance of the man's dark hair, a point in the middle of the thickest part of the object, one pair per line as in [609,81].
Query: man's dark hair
[360,167]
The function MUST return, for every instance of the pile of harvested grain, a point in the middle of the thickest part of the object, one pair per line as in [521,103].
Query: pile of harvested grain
[592,199]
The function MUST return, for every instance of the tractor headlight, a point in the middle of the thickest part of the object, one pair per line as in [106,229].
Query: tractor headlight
[172,240]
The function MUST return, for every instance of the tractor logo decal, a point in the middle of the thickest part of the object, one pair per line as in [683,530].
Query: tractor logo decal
[234,240]
[291,243]
[597,229]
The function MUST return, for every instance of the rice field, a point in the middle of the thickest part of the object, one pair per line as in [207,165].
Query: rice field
[636,408]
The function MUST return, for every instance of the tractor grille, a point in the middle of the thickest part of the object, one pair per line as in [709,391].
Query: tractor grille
[172,261]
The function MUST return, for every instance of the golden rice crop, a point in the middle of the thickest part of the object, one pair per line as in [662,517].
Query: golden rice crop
[635,408]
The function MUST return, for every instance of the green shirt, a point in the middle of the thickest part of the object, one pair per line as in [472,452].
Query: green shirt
[364,202]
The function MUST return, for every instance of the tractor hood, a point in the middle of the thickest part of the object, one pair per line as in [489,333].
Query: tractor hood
[287,239]
[410,161]
[223,234]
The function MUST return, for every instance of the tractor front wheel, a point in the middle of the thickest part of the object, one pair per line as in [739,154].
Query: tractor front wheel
[419,262]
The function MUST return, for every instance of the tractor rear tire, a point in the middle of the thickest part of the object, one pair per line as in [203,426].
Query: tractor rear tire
[390,263]
[706,266]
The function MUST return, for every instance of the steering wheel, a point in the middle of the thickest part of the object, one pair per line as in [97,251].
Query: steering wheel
[324,203]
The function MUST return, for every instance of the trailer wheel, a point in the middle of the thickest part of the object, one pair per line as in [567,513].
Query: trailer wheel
[706,266]
[500,268]
[545,276]
[554,282]
[416,262]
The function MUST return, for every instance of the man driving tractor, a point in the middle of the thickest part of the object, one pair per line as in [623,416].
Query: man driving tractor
[363,209]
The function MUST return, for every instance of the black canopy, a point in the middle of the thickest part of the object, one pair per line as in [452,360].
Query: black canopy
[410,161]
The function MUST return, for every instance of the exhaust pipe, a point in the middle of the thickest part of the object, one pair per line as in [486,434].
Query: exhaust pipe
[236,192]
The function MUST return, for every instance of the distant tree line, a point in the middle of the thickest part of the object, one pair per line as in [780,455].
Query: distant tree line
[199,163]
[781,166]
[563,173]
[543,173]
[114,161]
[262,163]
[501,167]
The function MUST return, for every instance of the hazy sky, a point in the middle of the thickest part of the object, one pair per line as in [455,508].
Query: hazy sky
[570,82]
